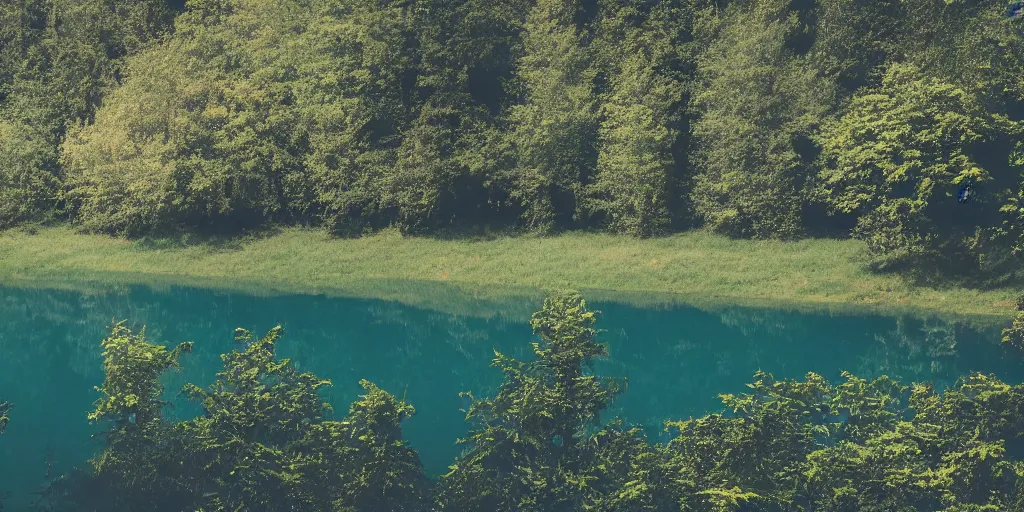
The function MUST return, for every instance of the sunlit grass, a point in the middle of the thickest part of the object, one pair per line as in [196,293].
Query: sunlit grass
[486,276]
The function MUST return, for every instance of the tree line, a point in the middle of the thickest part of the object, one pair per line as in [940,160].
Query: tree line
[896,122]
[265,440]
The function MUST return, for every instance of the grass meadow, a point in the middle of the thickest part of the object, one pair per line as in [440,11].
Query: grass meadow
[481,276]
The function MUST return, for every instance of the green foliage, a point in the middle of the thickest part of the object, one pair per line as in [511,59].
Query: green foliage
[534,442]
[319,116]
[29,182]
[257,406]
[200,134]
[1014,334]
[969,43]
[452,155]
[635,164]
[759,104]
[257,399]
[57,58]
[553,131]
[139,467]
[751,117]
[951,456]
[380,471]
[860,445]
[764,439]
[897,158]
[853,38]
[262,443]
[132,367]
[355,74]
[646,59]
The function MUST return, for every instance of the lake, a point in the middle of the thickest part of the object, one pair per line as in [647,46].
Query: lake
[677,359]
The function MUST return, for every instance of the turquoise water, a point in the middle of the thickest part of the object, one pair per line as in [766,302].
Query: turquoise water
[677,359]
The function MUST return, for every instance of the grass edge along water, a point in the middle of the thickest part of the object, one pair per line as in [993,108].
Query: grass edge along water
[486,276]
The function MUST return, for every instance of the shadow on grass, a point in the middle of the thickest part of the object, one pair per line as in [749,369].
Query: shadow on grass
[209,240]
[487,233]
[944,274]
[471,232]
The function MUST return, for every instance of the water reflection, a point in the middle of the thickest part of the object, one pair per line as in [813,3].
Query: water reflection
[677,359]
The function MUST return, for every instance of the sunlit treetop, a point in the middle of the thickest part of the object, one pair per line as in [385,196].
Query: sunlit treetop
[132,392]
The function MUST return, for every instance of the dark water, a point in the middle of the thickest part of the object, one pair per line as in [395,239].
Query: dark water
[677,359]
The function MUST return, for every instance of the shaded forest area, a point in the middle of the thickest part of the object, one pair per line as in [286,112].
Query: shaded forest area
[266,440]
[898,122]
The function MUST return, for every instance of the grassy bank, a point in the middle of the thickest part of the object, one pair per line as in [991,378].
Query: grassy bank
[482,276]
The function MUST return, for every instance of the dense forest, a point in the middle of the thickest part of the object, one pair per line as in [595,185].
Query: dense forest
[898,122]
[266,440]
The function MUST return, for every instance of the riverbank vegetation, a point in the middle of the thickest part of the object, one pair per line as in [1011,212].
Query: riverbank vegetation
[503,275]
[896,123]
[1014,334]
[267,440]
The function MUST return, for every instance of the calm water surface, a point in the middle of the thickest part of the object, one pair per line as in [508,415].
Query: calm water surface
[677,359]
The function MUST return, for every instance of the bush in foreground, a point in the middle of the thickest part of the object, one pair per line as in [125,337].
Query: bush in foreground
[1014,334]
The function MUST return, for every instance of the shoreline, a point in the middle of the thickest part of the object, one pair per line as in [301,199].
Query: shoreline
[501,275]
